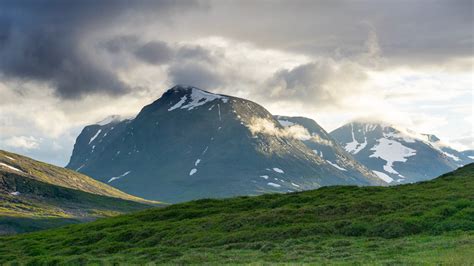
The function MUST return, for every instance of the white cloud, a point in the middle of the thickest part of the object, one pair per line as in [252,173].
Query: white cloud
[268,127]
[23,142]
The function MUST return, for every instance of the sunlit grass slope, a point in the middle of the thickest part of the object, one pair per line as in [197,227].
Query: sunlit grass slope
[35,196]
[430,222]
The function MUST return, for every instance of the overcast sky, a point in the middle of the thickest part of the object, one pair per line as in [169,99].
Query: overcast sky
[67,64]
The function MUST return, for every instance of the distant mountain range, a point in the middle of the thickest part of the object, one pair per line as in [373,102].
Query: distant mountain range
[192,144]
[399,155]
[36,195]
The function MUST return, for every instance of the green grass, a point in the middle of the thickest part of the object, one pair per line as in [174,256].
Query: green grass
[42,205]
[59,176]
[425,223]
[51,196]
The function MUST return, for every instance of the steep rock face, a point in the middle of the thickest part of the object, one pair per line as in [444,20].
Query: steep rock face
[192,144]
[396,155]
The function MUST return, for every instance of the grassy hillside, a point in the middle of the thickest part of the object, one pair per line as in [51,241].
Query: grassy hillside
[35,195]
[59,176]
[430,222]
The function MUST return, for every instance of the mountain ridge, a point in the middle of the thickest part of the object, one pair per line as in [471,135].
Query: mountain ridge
[202,145]
[396,154]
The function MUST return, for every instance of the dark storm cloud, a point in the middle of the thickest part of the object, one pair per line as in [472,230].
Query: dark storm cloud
[195,52]
[124,43]
[195,74]
[155,52]
[44,41]
[425,31]
[40,55]
[317,83]
[50,40]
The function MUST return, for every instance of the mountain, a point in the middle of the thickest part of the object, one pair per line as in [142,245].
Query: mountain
[323,145]
[192,144]
[36,195]
[428,223]
[396,155]
[458,158]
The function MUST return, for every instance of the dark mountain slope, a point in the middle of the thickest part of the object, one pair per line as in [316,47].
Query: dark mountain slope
[192,144]
[430,222]
[324,146]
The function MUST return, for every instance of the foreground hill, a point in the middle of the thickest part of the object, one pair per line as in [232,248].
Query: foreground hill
[36,195]
[397,155]
[430,222]
[192,144]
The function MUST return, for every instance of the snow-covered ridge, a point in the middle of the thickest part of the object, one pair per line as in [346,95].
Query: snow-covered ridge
[195,98]
[411,136]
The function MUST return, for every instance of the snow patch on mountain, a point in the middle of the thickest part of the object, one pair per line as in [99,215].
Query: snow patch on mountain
[452,156]
[196,98]
[273,184]
[354,146]
[95,136]
[391,151]
[336,166]
[193,171]
[178,104]
[80,167]
[11,167]
[295,185]
[278,170]
[383,176]
[8,157]
[118,177]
